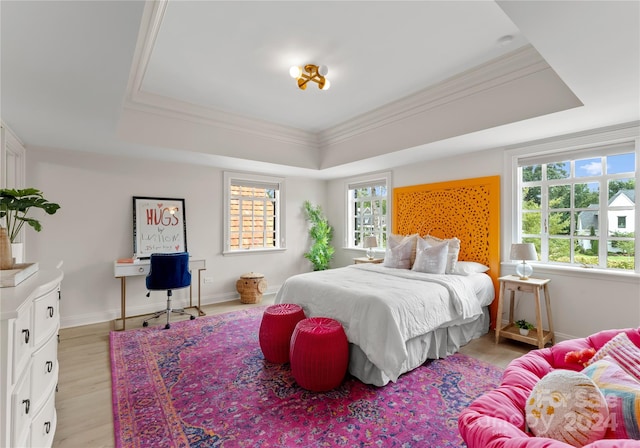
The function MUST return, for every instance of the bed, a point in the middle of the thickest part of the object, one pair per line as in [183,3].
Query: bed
[395,319]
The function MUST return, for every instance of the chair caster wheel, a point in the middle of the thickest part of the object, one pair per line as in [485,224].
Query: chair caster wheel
[166,327]
[145,324]
[192,317]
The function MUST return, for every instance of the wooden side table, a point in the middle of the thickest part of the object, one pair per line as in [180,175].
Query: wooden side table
[535,286]
[368,260]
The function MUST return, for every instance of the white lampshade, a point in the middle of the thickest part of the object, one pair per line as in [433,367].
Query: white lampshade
[369,243]
[523,251]
[323,70]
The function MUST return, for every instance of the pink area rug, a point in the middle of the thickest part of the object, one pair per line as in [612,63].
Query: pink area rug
[205,383]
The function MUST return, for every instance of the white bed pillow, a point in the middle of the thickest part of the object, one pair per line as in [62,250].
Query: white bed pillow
[398,254]
[431,259]
[395,239]
[454,250]
[469,267]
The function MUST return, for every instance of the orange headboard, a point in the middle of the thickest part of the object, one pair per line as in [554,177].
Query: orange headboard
[468,209]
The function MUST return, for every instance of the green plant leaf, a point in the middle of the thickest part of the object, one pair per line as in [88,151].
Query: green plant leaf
[321,252]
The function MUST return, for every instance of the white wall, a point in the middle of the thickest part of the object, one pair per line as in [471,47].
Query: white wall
[582,301]
[94,227]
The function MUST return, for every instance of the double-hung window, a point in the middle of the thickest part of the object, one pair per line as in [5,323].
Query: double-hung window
[579,207]
[368,210]
[254,212]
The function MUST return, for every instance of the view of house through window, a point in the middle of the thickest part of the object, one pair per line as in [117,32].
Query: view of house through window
[579,208]
[367,212]
[253,215]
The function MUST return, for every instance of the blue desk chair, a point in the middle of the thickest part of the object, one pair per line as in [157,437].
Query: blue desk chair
[168,272]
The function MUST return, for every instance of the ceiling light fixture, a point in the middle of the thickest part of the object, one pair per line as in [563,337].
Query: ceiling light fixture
[313,73]
[505,40]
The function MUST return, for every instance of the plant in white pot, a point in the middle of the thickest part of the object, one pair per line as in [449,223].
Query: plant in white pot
[524,326]
[15,206]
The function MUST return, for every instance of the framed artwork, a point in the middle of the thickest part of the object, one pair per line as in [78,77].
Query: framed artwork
[159,226]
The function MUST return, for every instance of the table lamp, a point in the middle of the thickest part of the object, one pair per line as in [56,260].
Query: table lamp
[369,243]
[524,252]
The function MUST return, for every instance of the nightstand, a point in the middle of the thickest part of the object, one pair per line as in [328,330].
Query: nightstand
[367,260]
[536,287]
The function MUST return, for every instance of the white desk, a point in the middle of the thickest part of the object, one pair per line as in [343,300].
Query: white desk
[141,267]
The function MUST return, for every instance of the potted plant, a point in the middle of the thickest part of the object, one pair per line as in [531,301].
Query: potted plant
[321,232]
[524,326]
[15,206]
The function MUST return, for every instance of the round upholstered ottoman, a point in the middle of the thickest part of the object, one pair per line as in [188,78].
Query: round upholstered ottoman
[276,328]
[319,354]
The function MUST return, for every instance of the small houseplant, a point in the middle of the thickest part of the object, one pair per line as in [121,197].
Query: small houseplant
[524,326]
[321,251]
[15,206]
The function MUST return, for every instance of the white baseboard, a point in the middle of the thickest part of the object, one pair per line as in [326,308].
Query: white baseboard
[114,313]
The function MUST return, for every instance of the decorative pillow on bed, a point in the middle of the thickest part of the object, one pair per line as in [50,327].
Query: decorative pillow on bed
[431,259]
[567,406]
[395,239]
[622,393]
[469,267]
[398,254]
[622,351]
[454,250]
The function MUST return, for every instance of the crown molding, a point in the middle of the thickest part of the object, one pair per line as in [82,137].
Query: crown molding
[520,63]
[139,100]
[179,110]
[592,137]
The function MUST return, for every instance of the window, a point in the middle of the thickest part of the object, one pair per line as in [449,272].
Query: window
[578,207]
[254,212]
[622,222]
[368,209]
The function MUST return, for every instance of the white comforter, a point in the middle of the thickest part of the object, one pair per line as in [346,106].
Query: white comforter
[381,308]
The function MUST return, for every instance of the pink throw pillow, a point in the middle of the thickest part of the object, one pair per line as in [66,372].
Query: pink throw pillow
[624,352]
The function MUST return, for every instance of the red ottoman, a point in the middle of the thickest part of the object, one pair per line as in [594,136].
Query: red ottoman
[276,328]
[319,354]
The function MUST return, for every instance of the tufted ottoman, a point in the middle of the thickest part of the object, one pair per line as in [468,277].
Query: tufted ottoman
[319,354]
[276,328]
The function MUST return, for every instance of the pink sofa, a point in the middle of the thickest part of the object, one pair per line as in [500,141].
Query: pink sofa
[497,419]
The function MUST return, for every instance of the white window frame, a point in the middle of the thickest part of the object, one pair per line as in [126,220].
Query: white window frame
[550,150]
[234,178]
[359,182]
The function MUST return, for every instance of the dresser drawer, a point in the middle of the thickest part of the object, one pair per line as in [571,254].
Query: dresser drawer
[22,343]
[520,287]
[44,370]
[43,426]
[132,269]
[45,316]
[21,408]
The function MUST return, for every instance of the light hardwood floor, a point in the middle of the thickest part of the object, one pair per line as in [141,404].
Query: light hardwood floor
[83,401]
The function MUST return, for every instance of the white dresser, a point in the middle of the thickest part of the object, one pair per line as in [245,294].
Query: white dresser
[29,324]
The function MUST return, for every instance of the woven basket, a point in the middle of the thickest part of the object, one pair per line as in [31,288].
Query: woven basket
[251,286]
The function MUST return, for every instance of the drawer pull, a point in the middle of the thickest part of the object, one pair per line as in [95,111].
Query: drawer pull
[25,332]
[50,309]
[27,405]
[48,366]
[47,427]
[519,288]
[141,269]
